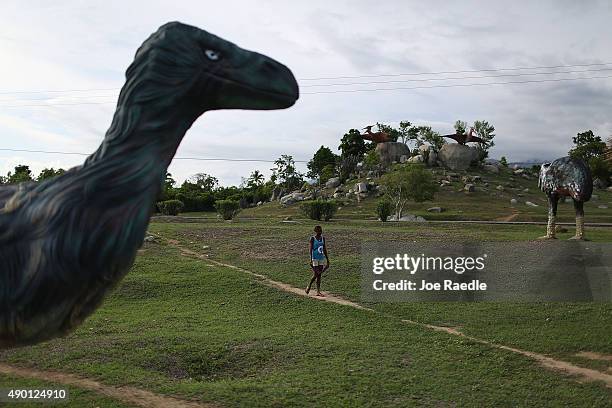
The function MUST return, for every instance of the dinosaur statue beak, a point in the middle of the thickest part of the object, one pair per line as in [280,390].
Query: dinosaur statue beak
[256,82]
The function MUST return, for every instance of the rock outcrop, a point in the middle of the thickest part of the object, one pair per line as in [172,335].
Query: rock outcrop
[457,157]
[390,152]
[332,182]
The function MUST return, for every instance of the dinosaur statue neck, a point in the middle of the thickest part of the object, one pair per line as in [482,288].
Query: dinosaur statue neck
[129,167]
[137,134]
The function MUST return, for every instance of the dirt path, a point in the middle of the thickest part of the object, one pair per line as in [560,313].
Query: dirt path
[126,394]
[582,373]
[509,218]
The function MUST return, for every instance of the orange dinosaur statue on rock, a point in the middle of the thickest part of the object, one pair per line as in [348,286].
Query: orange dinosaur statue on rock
[378,137]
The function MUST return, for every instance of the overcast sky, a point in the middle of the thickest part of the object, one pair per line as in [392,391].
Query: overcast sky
[87,45]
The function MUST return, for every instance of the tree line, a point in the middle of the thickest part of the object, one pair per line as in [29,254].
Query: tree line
[202,192]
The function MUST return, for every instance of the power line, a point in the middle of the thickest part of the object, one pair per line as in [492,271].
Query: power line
[354,90]
[458,78]
[42,98]
[176,158]
[58,90]
[346,77]
[360,83]
[456,72]
[456,85]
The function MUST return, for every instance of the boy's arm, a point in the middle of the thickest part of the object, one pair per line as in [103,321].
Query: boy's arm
[325,252]
[310,243]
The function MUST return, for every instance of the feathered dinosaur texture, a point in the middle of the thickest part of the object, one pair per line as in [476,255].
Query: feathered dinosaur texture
[66,242]
[566,177]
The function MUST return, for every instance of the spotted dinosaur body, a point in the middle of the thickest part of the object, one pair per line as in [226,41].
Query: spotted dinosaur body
[566,177]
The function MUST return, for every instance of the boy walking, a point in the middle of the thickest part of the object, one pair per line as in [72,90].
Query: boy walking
[318,253]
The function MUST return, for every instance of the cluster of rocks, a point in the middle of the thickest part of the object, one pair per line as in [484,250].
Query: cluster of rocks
[360,190]
[469,181]
[522,173]
[333,189]
[407,218]
[424,154]
[294,197]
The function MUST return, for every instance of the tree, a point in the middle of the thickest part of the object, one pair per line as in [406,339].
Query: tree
[322,158]
[503,161]
[285,174]
[255,180]
[371,160]
[168,191]
[426,135]
[408,182]
[485,131]
[460,126]
[22,173]
[49,173]
[393,133]
[352,144]
[205,181]
[328,172]
[587,146]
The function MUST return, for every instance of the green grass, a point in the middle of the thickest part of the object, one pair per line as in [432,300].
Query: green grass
[558,329]
[181,327]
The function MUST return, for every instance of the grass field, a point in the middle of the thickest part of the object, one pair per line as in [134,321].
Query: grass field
[182,326]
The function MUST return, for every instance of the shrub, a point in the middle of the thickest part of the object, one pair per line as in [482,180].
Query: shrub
[326,173]
[319,209]
[383,209]
[408,182]
[170,207]
[228,209]
[197,201]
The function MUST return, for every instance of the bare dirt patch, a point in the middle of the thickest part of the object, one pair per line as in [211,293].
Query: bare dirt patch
[126,394]
[591,355]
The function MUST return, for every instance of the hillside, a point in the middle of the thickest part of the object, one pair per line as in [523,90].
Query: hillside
[488,202]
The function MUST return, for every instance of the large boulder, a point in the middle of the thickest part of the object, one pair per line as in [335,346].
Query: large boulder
[457,157]
[491,168]
[361,188]
[292,198]
[416,159]
[332,182]
[432,158]
[390,152]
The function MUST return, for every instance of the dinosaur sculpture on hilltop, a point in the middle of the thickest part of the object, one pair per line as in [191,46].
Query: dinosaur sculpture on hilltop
[463,138]
[566,177]
[66,242]
[378,137]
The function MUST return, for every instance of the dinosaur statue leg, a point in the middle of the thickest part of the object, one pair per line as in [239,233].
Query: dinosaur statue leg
[553,200]
[579,207]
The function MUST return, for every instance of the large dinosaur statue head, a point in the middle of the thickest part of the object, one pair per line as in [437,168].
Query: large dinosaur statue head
[66,242]
[186,64]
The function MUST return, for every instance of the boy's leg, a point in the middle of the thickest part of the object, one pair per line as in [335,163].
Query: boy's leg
[314,277]
[318,276]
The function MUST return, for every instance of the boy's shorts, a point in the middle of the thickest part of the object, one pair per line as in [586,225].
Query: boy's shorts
[318,262]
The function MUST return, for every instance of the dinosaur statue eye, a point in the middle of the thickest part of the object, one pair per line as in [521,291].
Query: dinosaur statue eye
[212,55]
